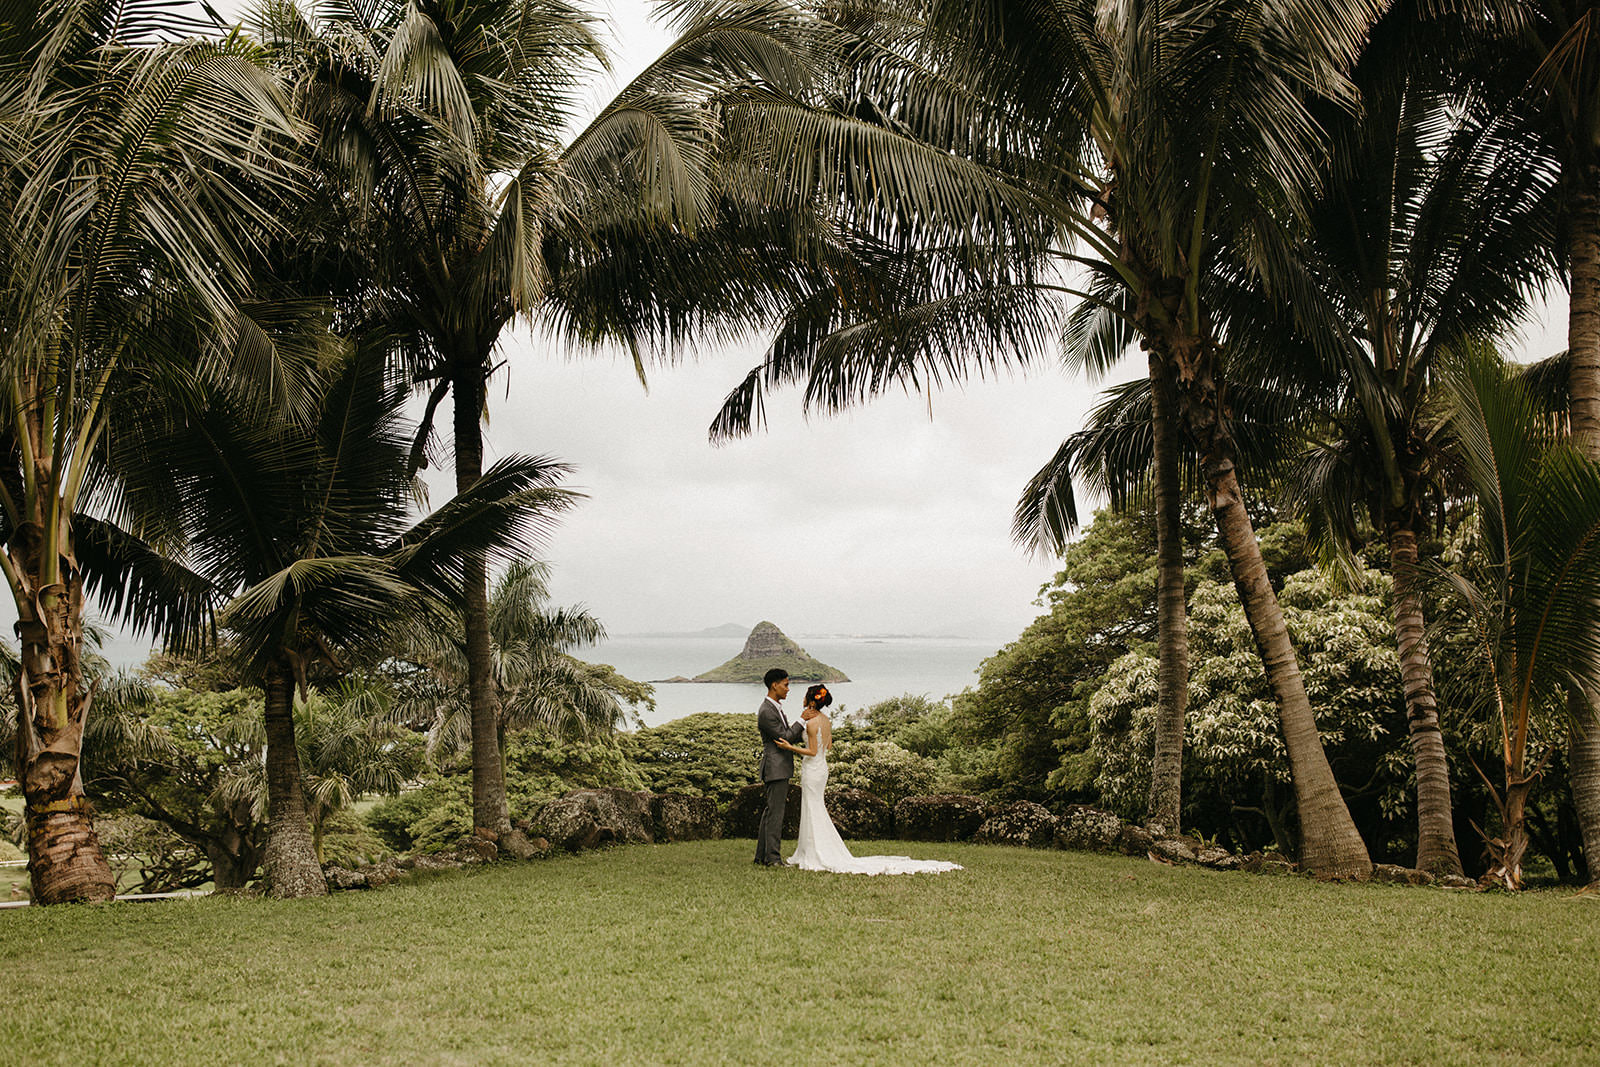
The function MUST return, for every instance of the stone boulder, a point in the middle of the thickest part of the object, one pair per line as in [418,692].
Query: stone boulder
[476,849]
[367,877]
[589,818]
[1174,850]
[743,816]
[1266,863]
[1218,859]
[945,817]
[1134,840]
[517,845]
[1024,824]
[1397,875]
[859,814]
[676,817]
[1085,829]
[431,861]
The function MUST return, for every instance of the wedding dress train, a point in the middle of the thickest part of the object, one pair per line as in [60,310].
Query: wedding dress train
[820,847]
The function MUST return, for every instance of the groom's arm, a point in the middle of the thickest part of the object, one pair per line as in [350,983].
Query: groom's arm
[797,733]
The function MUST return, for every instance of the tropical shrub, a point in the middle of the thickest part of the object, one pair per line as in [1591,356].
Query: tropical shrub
[438,814]
[348,841]
[882,768]
[709,755]
[539,768]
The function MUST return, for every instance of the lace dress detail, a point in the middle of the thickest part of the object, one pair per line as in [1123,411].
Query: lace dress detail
[820,847]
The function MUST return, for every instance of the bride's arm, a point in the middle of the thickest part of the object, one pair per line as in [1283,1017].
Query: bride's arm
[813,728]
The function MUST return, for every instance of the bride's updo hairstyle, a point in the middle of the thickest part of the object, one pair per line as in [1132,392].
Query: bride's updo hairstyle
[819,697]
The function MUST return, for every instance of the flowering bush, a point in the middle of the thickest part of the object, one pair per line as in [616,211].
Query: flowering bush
[1234,759]
[882,768]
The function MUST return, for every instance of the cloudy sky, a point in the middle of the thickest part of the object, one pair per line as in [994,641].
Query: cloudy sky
[893,518]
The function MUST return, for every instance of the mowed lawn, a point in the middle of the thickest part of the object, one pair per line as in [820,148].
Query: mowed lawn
[689,954]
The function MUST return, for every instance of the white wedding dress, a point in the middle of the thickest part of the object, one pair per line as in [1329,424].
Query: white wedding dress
[820,847]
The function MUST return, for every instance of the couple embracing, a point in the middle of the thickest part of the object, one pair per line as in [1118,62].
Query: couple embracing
[820,848]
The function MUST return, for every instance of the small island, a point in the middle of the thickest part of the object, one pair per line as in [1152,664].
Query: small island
[764,649]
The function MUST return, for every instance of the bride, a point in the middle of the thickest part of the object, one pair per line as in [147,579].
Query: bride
[820,847]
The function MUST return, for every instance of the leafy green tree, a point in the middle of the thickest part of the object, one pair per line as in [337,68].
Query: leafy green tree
[181,762]
[891,715]
[1236,781]
[1031,701]
[136,175]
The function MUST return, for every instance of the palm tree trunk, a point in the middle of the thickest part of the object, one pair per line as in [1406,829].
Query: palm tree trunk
[1510,848]
[291,861]
[1172,624]
[1330,845]
[1583,346]
[489,808]
[1436,835]
[65,863]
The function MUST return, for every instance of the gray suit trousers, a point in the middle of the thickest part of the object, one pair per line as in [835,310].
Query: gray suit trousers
[767,847]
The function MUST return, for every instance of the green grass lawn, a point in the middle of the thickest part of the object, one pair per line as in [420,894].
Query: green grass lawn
[688,954]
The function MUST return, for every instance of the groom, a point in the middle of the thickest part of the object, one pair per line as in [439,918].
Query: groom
[777,765]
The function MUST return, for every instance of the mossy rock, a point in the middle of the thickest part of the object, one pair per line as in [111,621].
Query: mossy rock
[945,817]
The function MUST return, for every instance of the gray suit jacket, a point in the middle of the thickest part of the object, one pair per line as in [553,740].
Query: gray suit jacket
[777,764]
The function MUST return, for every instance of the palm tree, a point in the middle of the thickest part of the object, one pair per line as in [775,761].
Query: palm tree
[1421,241]
[444,122]
[303,529]
[1554,67]
[1116,456]
[1531,601]
[1177,144]
[539,684]
[135,176]
[351,743]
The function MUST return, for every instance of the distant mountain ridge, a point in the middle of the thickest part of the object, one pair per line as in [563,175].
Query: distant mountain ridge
[727,629]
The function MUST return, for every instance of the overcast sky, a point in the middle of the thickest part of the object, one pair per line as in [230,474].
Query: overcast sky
[883,520]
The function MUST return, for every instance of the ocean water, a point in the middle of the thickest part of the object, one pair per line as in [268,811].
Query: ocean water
[879,668]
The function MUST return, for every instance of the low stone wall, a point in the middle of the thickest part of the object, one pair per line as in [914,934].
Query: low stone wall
[743,817]
[945,817]
[592,818]
[860,815]
[1024,824]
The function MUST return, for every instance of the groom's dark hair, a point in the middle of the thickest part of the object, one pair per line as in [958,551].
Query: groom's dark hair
[774,676]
